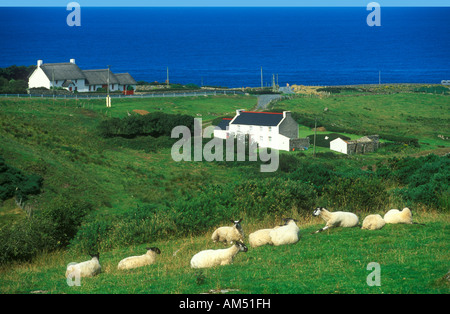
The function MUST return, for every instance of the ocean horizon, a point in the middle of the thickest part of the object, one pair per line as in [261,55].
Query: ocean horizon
[227,46]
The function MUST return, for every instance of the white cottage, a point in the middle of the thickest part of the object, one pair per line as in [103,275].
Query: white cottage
[267,129]
[70,77]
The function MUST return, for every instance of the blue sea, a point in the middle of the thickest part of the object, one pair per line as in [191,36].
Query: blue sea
[228,46]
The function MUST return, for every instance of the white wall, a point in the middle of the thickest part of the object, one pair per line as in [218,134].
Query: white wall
[38,79]
[339,145]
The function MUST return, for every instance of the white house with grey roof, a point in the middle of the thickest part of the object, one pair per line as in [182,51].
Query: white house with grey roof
[71,77]
[276,130]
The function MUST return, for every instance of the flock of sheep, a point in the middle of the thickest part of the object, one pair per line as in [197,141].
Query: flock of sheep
[279,235]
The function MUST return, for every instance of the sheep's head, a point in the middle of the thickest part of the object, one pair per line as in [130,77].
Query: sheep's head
[317,211]
[241,246]
[154,249]
[237,224]
[97,255]
[288,220]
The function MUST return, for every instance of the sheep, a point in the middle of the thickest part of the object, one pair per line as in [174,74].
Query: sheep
[287,234]
[394,216]
[229,234]
[85,269]
[211,258]
[260,237]
[373,222]
[336,219]
[139,261]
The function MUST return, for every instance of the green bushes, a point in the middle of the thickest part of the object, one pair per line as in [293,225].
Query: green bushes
[197,212]
[154,124]
[425,180]
[13,183]
[49,229]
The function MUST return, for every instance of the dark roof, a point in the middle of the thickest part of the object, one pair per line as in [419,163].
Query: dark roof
[62,71]
[259,118]
[100,77]
[125,79]
[223,125]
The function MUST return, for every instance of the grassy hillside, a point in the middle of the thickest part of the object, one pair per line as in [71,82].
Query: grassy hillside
[413,259]
[128,193]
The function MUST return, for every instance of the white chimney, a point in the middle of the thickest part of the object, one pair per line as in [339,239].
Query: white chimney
[39,63]
[72,61]
[238,112]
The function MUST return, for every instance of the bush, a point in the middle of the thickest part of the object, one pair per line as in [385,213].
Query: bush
[155,124]
[13,183]
[357,193]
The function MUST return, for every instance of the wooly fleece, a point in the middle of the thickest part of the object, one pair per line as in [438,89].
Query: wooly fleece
[139,261]
[86,269]
[287,234]
[228,234]
[373,222]
[211,258]
[394,216]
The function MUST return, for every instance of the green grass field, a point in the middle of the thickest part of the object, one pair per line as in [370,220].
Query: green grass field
[412,259]
[58,140]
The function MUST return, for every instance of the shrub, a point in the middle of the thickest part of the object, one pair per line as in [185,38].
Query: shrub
[357,193]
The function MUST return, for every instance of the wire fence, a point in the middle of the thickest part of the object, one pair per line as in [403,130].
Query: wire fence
[119,96]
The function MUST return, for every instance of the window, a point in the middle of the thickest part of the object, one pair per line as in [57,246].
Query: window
[270,129]
[270,138]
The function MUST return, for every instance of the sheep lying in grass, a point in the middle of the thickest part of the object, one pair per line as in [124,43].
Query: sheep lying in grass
[211,258]
[394,216]
[373,222]
[260,237]
[287,234]
[141,260]
[229,234]
[85,269]
[336,219]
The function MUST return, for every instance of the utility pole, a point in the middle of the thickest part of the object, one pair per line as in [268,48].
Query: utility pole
[379,77]
[262,85]
[53,84]
[315,132]
[108,98]
[167,76]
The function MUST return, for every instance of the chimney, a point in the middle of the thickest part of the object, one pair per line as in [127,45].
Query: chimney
[286,114]
[238,112]
[39,63]
[72,61]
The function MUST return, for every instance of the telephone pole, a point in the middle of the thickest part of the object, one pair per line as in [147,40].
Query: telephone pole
[262,85]
[167,76]
[315,132]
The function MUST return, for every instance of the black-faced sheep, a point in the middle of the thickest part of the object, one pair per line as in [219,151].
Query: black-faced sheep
[85,269]
[336,219]
[211,258]
[229,234]
[141,260]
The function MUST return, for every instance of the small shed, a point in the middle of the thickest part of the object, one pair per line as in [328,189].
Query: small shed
[339,145]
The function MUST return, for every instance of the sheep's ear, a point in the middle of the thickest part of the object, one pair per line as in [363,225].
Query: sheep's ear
[240,220]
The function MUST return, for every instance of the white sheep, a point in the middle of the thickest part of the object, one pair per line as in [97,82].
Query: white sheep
[141,260]
[336,219]
[260,237]
[287,234]
[211,258]
[394,216]
[85,269]
[373,222]
[229,234]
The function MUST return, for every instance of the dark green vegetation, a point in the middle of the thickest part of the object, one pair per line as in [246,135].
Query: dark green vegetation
[117,192]
[14,79]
